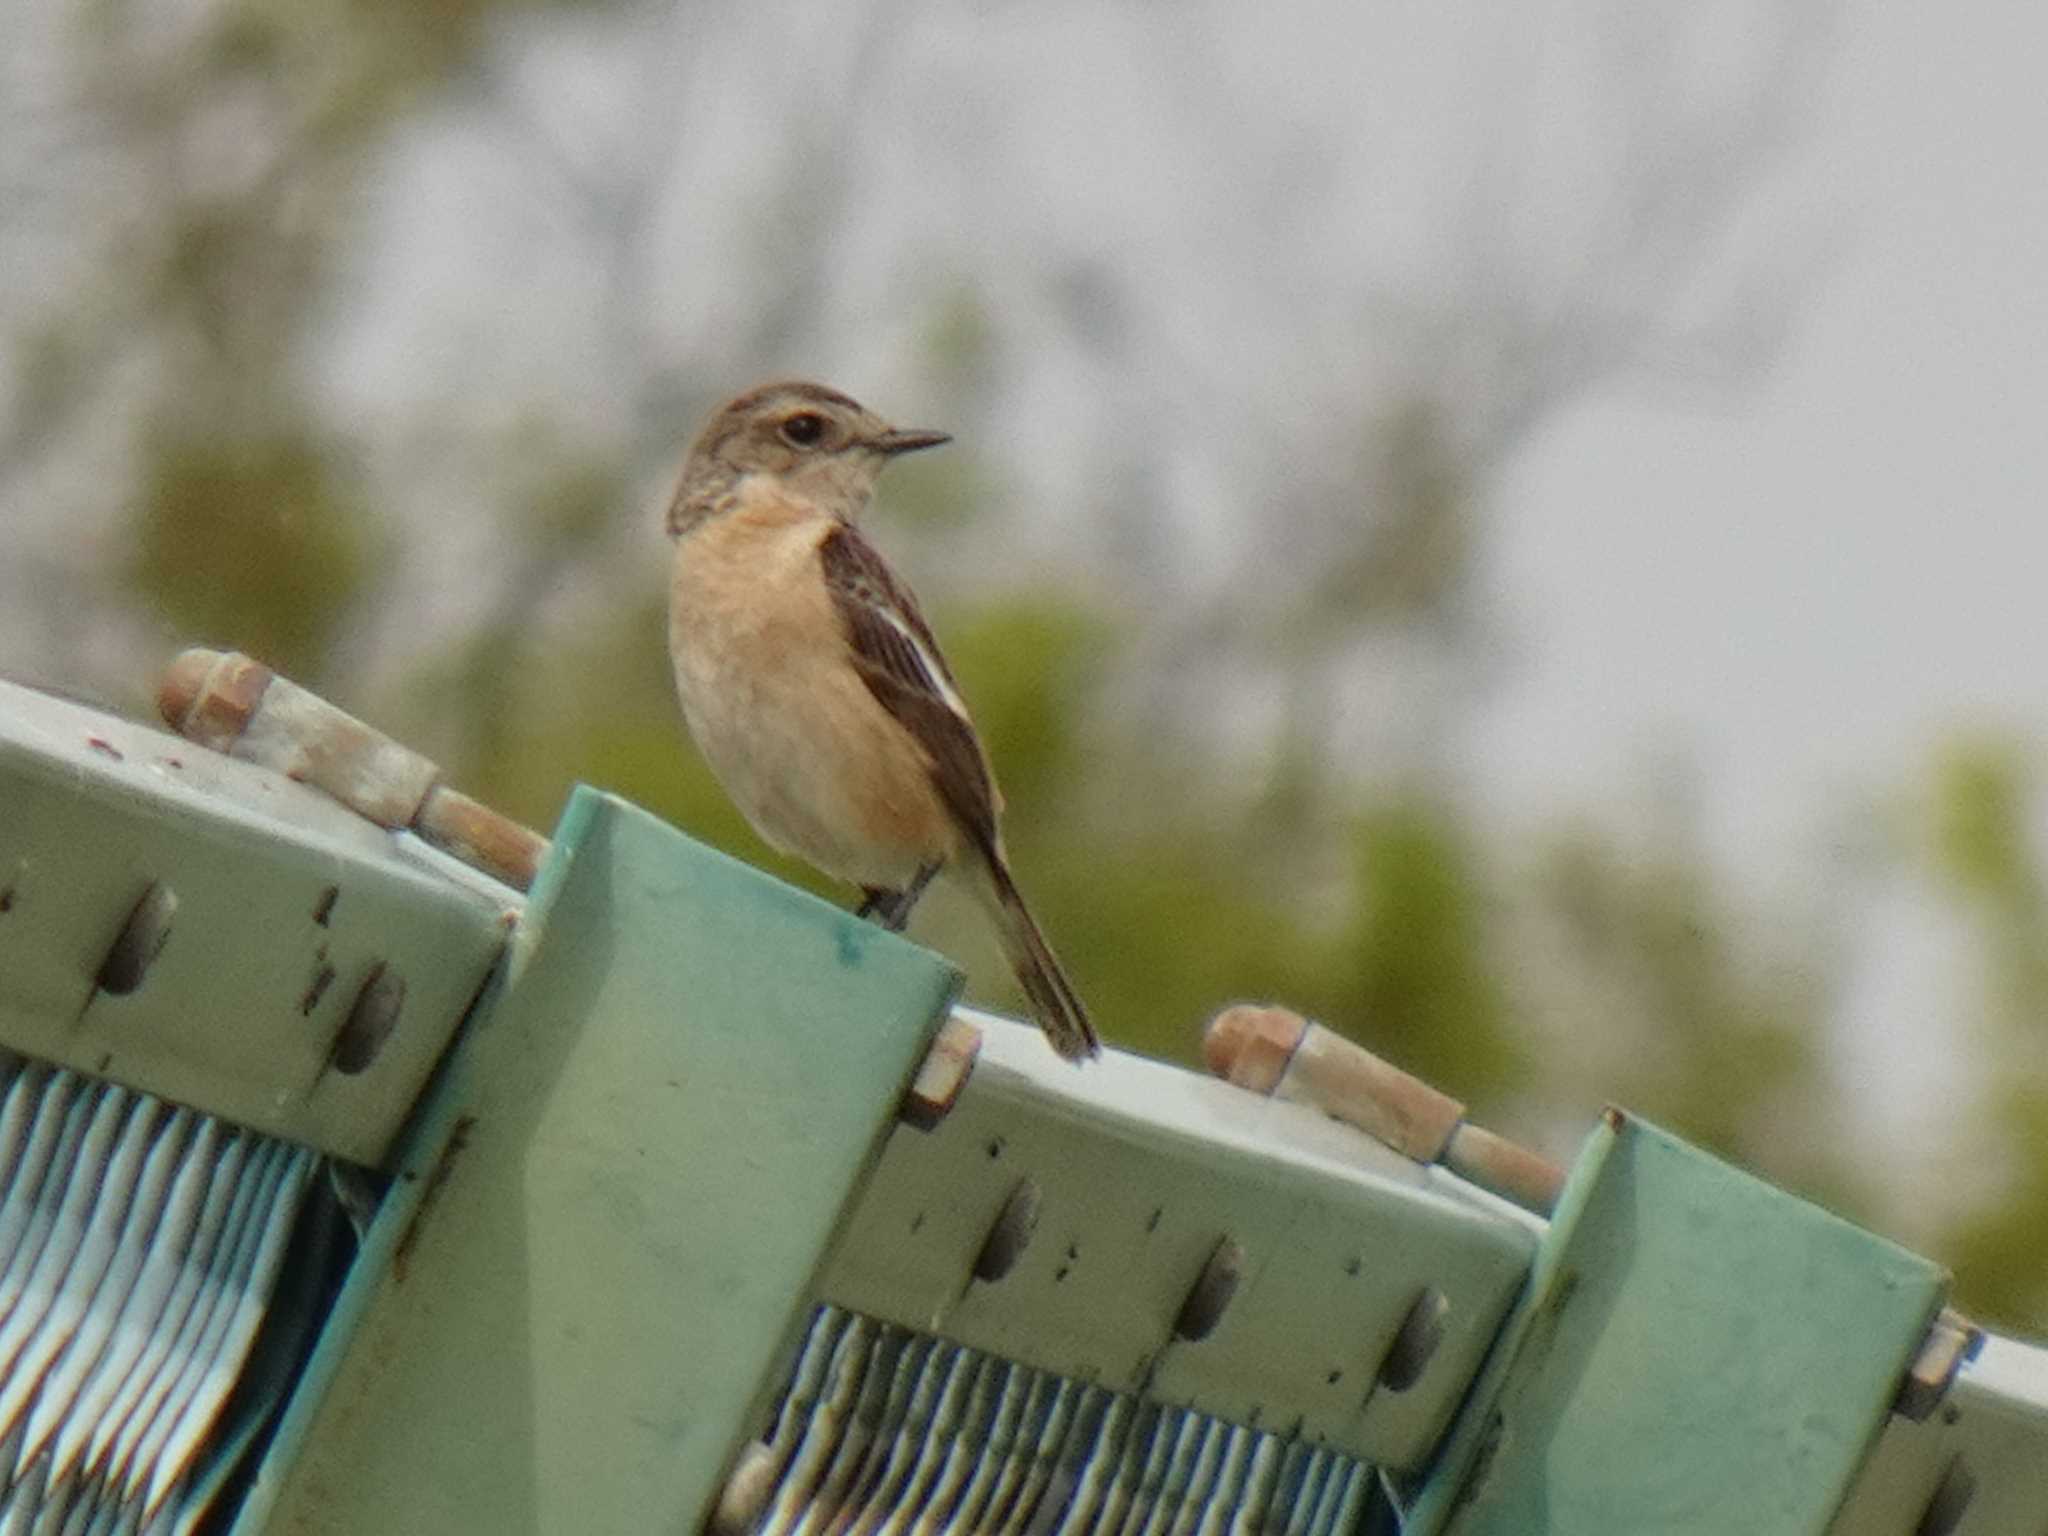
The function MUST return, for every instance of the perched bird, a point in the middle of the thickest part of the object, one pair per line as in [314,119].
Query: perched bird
[813,686]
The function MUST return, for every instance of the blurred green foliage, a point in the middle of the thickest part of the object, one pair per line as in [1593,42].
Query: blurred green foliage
[1416,961]
[262,540]
[1984,806]
[1980,833]
[1692,1011]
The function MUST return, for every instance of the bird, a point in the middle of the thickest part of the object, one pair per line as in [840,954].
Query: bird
[814,688]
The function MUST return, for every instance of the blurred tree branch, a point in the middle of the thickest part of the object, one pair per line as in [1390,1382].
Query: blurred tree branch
[1360,495]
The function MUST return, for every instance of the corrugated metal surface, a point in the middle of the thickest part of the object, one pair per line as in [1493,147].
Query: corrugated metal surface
[886,1432]
[139,1244]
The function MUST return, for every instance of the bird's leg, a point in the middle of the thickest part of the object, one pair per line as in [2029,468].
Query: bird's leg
[907,897]
[891,909]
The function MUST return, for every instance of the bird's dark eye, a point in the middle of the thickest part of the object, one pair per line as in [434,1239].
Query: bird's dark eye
[804,429]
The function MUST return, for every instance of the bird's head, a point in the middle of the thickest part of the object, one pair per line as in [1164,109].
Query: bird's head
[816,442]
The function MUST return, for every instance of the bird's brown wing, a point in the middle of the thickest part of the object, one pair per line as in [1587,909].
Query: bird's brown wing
[899,660]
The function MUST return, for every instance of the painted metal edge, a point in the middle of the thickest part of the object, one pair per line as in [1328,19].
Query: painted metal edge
[1438,1491]
[570,1316]
[1696,1348]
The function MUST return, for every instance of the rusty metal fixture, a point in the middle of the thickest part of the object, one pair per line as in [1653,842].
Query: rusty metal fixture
[1251,1045]
[480,837]
[1275,1051]
[1009,1235]
[1505,1168]
[1210,1296]
[942,1075]
[1952,1339]
[211,696]
[142,936]
[226,701]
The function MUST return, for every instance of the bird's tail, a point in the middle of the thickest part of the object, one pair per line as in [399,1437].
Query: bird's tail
[1053,999]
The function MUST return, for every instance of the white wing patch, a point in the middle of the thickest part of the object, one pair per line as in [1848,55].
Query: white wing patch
[928,664]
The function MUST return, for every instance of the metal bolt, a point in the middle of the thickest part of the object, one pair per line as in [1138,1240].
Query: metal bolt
[1951,1339]
[942,1076]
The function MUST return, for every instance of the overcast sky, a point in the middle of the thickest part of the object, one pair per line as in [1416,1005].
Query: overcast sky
[1792,584]
[1807,581]
[1800,587]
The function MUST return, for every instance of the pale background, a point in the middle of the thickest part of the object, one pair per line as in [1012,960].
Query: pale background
[1521,536]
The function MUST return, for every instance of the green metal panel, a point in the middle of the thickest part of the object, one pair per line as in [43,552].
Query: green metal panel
[286,905]
[1142,1169]
[1697,1353]
[565,1317]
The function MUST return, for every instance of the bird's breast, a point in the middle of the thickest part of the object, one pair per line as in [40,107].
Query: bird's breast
[773,702]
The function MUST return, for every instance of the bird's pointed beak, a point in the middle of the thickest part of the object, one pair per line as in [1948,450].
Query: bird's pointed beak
[907,440]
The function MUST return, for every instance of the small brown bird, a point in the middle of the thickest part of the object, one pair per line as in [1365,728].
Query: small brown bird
[813,686]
